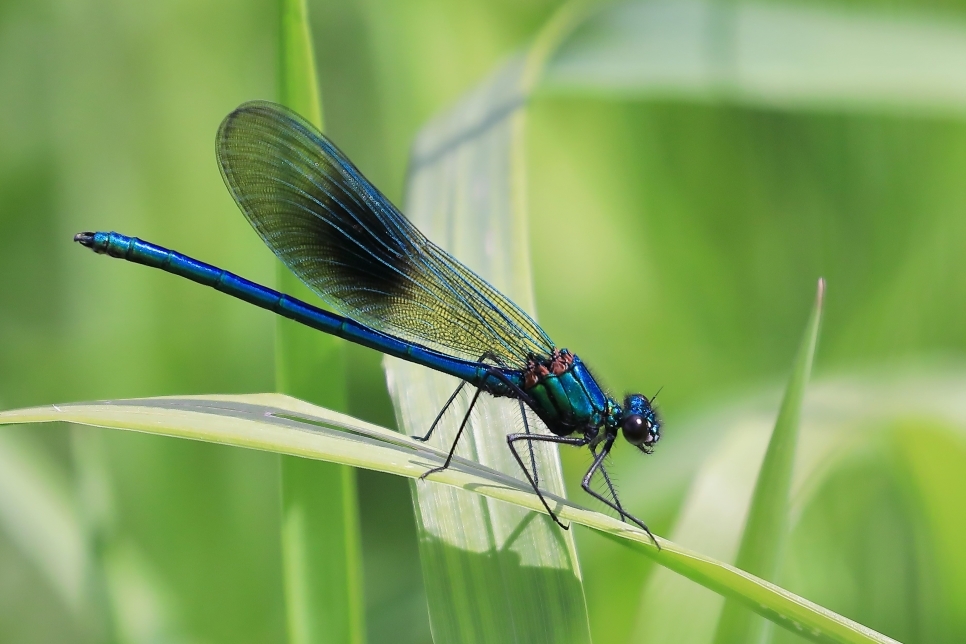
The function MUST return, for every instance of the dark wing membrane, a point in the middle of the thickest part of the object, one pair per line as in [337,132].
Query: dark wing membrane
[350,245]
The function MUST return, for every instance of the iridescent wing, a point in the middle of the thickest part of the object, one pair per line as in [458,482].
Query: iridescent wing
[351,246]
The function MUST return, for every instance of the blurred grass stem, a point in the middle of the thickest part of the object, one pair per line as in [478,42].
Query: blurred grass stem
[322,565]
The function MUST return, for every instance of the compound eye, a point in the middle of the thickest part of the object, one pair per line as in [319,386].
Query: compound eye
[635,429]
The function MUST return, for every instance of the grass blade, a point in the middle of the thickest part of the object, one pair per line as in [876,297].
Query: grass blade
[767,525]
[848,422]
[492,571]
[758,54]
[297,83]
[321,560]
[37,513]
[284,425]
[106,582]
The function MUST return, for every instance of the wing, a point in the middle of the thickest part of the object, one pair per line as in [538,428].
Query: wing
[351,246]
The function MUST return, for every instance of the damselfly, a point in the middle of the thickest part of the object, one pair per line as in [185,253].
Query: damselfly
[399,293]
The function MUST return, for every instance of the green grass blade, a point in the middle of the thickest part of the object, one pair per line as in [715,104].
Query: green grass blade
[37,513]
[297,82]
[767,525]
[492,572]
[841,553]
[67,529]
[284,425]
[766,54]
[322,567]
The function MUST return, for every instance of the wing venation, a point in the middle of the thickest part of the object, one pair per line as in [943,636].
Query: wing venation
[351,246]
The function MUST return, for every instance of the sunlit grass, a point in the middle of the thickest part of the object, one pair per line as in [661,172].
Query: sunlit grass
[289,426]
[673,243]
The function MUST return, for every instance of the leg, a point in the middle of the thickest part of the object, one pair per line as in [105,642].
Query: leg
[492,373]
[533,458]
[441,412]
[598,463]
[562,440]
[452,450]
[449,401]
[610,486]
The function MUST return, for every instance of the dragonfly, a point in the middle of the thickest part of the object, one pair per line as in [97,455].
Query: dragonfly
[395,291]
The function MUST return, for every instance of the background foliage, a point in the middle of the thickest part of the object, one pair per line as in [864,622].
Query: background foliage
[674,243]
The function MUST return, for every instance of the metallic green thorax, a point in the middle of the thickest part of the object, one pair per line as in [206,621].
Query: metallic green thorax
[567,397]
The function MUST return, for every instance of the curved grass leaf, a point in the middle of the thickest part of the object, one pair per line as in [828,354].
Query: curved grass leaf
[853,436]
[284,425]
[767,524]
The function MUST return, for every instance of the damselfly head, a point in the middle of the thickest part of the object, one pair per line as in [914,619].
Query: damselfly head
[639,423]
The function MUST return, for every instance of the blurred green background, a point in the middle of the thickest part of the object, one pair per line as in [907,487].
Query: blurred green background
[674,244]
